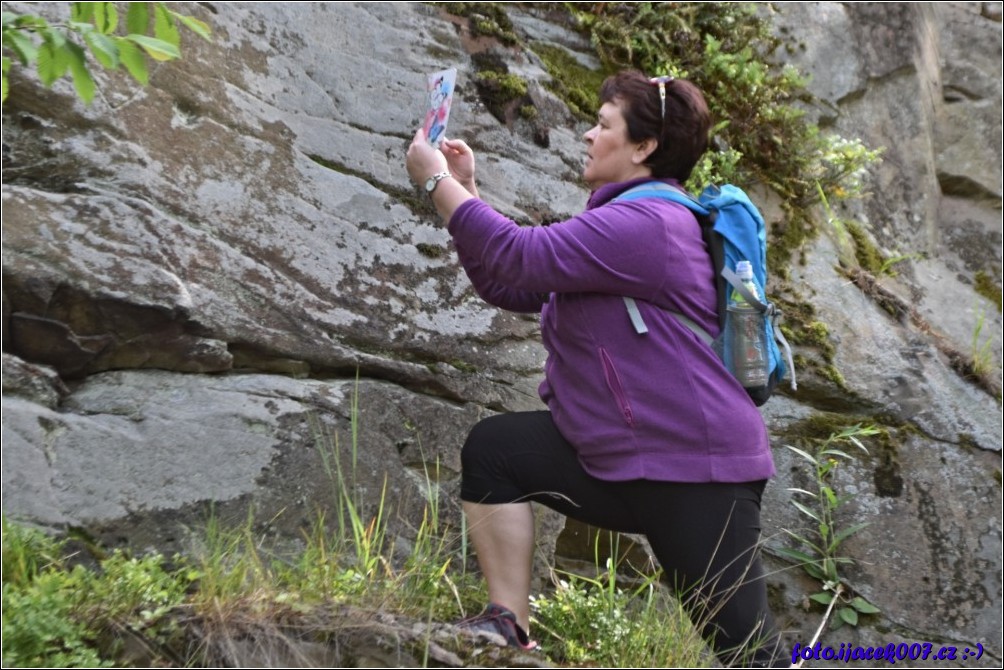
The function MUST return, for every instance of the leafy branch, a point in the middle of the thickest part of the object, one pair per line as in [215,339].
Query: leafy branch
[58,49]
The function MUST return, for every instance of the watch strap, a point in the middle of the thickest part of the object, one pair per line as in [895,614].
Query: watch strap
[433,181]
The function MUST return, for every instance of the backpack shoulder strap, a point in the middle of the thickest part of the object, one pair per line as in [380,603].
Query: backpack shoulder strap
[706,218]
[715,229]
[658,189]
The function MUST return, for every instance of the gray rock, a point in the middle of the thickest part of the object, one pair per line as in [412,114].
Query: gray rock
[31,382]
[127,446]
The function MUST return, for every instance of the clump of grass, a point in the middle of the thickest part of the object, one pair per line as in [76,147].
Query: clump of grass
[595,622]
[611,619]
[981,353]
[232,592]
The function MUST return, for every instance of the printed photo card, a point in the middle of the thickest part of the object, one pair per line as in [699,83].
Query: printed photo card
[440,88]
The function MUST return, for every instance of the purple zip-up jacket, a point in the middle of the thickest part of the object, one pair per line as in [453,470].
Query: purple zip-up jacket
[658,406]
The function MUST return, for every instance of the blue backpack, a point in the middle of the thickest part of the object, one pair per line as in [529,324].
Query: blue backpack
[733,230]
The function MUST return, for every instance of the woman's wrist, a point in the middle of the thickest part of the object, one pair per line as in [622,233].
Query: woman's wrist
[449,194]
[469,185]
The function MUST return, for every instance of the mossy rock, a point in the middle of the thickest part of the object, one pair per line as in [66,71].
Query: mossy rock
[989,288]
[504,94]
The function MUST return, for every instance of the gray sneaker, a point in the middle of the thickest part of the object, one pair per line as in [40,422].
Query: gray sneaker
[499,621]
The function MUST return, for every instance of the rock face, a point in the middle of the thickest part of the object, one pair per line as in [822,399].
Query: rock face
[196,272]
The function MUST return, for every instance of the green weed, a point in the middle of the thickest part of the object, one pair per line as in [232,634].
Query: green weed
[27,552]
[982,354]
[819,551]
[58,615]
[598,621]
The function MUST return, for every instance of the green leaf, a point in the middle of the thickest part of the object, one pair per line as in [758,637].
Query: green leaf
[805,542]
[847,532]
[53,36]
[132,58]
[814,571]
[27,21]
[106,17]
[836,452]
[830,569]
[824,597]
[82,79]
[6,89]
[848,615]
[82,11]
[863,606]
[804,454]
[52,63]
[867,431]
[23,48]
[157,49]
[196,26]
[831,497]
[137,18]
[104,49]
[796,555]
[805,510]
[163,25]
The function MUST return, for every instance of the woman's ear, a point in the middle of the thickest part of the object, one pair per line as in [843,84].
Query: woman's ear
[644,150]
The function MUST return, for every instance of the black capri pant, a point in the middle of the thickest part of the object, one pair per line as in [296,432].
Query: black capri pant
[705,536]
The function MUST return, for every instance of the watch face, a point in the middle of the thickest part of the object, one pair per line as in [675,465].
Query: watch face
[433,181]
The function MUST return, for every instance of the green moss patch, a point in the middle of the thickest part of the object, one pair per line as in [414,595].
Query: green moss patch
[867,254]
[987,287]
[575,84]
[503,94]
[485,19]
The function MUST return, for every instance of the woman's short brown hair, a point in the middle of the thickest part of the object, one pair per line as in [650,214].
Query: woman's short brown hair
[682,134]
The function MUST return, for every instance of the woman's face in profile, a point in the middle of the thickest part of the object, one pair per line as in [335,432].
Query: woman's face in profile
[609,153]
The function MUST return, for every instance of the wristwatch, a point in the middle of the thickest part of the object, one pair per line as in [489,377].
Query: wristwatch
[432,182]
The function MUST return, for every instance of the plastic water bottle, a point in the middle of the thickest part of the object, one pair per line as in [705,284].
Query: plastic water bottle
[749,359]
